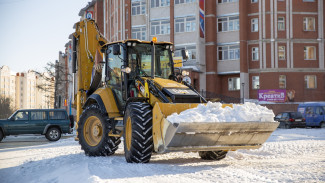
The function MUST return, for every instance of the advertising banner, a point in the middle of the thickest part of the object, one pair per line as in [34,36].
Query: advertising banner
[272,95]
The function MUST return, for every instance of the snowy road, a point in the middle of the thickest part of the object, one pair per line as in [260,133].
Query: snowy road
[295,155]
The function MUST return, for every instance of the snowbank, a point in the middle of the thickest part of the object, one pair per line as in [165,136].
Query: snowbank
[213,112]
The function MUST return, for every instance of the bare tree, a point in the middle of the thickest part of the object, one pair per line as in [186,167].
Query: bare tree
[54,77]
[5,108]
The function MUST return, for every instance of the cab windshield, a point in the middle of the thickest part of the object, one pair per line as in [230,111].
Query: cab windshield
[139,57]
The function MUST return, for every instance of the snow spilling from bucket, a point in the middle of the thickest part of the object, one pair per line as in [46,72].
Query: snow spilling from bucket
[214,112]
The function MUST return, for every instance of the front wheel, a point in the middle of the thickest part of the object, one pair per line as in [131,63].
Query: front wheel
[93,129]
[53,134]
[138,143]
[212,155]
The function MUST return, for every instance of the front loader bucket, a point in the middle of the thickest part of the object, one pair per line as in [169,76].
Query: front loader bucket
[205,136]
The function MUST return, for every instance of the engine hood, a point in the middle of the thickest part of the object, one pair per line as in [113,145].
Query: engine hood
[166,83]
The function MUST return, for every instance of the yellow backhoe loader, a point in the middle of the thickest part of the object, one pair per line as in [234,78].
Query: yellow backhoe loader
[130,93]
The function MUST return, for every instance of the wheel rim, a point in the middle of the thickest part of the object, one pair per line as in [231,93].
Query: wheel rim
[93,131]
[128,133]
[54,134]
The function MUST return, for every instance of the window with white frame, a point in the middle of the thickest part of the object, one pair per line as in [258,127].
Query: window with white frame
[228,24]
[282,81]
[256,82]
[308,0]
[139,33]
[190,49]
[185,24]
[310,53]
[254,1]
[254,23]
[281,23]
[160,27]
[227,1]
[231,52]
[309,24]
[233,84]
[282,52]
[159,3]
[138,7]
[310,81]
[184,1]
[255,55]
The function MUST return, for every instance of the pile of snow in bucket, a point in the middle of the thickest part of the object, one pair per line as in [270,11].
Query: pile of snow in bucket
[214,112]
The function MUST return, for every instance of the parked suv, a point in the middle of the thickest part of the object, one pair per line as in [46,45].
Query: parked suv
[49,122]
[290,119]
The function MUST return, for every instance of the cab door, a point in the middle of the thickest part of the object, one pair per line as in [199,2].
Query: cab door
[319,115]
[18,123]
[309,115]
[38,122]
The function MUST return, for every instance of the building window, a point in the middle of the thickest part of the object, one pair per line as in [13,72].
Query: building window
[229,52]
[308,0]
[190,49]
[310,53]
[227,1]
[255,54]
[256,82]
[282,81]
[254,1]
[310,81]
[184,1]
[233,84]
[228,24]
[139,33]
[138,7]
[281,23]
[185,24]
[159,3]
[254,24]
[160,27]
[309,24]
[282,52]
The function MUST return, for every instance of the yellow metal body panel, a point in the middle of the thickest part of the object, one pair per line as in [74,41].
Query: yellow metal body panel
[166,83]
[106,94]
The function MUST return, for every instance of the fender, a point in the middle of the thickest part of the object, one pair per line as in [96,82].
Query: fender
[50,125]
[105,99]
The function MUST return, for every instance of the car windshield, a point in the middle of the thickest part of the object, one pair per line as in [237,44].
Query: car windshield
[139,57]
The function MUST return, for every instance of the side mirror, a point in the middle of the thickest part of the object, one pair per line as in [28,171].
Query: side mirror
[184,54]
[116,49]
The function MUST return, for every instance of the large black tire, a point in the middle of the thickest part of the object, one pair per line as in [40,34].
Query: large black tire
[138,143]
[53,134]
[213,155]
[1,135]
[93,129]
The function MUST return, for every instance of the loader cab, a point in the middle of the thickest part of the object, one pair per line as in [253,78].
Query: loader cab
[129,60]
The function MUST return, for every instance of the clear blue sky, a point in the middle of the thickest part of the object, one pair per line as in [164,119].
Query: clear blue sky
[32,32]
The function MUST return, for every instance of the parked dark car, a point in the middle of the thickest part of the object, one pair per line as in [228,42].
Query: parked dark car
[290,119]
[49,122]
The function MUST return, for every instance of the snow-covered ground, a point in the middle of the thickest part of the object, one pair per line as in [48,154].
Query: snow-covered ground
[289,155]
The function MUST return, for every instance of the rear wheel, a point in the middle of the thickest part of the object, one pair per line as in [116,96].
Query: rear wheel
[1,135]
[322,125]
[53,134]
[93,129]
[212,155]
[138,143]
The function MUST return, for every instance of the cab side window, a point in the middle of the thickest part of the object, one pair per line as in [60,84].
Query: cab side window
[309,110]
[57,115]
[285,116]
[319,111]
[278,116]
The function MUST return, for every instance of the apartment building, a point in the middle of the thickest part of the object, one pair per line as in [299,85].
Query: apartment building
[268,51]
[22,89]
